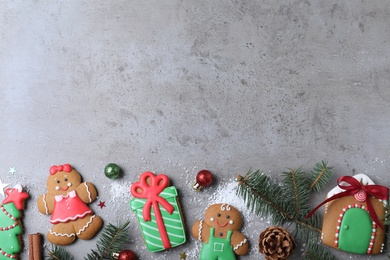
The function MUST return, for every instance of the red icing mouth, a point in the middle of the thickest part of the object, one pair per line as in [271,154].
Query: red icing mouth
[64,189]
[219,225]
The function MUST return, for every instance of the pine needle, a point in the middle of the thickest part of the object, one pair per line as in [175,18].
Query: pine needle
[288,203]
[316,252]
[58,253]
[320,176]
[110,241]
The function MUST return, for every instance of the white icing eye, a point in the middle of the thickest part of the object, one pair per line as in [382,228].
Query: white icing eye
[211,219]
[57,187]
[231,222]
[69,184]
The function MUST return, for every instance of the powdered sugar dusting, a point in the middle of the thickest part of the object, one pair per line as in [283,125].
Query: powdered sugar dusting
[226,193]
[120,191]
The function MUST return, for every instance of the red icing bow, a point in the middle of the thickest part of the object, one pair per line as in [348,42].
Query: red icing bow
[150,192]
[60,168]
[377,191]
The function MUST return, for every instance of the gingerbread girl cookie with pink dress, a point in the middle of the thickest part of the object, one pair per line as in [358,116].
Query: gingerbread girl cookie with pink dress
[66,201]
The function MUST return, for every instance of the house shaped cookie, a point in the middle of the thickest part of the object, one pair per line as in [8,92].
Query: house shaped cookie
[348,224]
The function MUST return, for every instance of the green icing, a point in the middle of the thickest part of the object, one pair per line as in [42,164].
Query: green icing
[9,239]
[355,231]
[173,222]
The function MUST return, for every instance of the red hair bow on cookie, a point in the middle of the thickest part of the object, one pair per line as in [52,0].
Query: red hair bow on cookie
[60,168]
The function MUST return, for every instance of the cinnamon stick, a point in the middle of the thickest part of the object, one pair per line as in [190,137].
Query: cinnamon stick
[35,246]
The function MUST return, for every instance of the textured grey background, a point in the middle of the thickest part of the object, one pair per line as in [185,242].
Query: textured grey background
[178,86]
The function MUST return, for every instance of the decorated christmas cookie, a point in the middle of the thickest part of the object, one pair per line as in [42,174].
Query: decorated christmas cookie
[158,212]
[353,215]
[66,201]
[10,224]
[219,233]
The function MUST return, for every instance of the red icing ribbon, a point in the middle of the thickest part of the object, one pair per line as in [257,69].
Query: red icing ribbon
[54,169]
[150,192]
[378,191]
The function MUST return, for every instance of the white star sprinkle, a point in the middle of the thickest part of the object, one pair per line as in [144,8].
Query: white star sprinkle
[2,187]
[12,170]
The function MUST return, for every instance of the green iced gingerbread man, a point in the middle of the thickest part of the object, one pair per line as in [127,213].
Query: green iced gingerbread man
[219,233]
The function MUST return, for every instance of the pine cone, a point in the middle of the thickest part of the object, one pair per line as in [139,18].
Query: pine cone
[276,243]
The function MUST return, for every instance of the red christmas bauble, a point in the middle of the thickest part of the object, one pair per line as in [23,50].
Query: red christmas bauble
[204,178]
[127,255]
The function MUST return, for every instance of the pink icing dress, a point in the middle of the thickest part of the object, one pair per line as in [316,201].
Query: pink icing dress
[69,207]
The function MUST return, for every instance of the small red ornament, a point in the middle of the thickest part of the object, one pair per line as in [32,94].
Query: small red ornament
[125,255]
[203,178]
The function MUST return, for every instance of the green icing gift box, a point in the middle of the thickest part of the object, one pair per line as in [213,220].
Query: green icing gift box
[158,212]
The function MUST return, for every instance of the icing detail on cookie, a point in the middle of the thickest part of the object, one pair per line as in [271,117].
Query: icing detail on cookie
[45,204]
[212,219]
[361,196]
[200,230]
[69,207]
[219,225]
[86,225]
[240,244]
[231,222]
[11,256]
[64,189]
[158,212]
[9,216]
[89,193]
[60,234]
[60,168]
[16,196]
[356,219]
[225,207]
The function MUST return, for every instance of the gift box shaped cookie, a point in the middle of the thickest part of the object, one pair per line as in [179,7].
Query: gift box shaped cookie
[158,212]
[353,215]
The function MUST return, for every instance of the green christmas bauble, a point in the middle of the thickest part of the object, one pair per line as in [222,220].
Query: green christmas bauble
[112,171]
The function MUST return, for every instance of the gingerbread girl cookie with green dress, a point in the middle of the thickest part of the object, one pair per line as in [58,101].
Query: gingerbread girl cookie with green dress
[219,232]
[66,201]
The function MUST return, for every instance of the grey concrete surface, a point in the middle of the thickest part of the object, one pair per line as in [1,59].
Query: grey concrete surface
[178,86]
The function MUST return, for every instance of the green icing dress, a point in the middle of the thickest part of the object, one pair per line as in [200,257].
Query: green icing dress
[217,248]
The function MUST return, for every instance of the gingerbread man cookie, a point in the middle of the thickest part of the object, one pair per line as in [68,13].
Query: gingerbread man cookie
[219,233]
[66,201]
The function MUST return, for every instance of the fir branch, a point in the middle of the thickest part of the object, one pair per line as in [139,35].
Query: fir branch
[266,198]
[297,185]
[289,203]
[58,253]
[110,241]
[315,252]
[320,176]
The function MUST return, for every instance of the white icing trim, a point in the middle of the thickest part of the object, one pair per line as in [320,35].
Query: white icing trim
[58,220]
[10,256]
[60,234]
[225,207]
[19,187]
[240,244]
[45,204]
[89,194]
[200,230]
[86,225]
